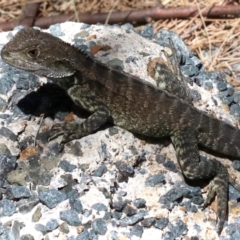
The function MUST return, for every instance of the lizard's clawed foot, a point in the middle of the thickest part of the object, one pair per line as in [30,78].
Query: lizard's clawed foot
[219,187]
[56,130]
[67,130]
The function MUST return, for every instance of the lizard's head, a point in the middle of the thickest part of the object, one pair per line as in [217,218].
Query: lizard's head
[40,53]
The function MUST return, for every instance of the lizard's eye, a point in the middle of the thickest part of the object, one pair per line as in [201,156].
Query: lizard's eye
[33,53]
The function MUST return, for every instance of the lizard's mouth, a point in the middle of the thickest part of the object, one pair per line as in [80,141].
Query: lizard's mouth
[13,59]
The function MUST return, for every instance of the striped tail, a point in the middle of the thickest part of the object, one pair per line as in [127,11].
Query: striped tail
[218,135]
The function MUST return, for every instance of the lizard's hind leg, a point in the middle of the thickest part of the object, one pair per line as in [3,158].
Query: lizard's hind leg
[186,146]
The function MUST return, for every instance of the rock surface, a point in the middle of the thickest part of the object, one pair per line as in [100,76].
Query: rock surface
[111,184]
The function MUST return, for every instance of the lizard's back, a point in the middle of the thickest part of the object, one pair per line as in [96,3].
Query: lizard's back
[143,108]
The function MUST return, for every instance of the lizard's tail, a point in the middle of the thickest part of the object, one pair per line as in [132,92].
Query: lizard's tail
[218,136]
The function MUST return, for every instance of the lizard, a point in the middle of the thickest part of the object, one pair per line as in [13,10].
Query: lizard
[131,103]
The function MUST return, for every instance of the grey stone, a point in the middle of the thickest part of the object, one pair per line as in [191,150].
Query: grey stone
[76,205]
[7,208]
[137,231]
[178,228]
[116,215]
[124,168]
[64,227]
[56,30]
[113,131]
[148,222]
[5,132]
[116,63]
[16,227]
[37,214]
[3,104]
[66,166]
[20,191]
[235,111]
[52,224]
[7,164]
[4,149]
[85,26]
[139,203]
[51,198]
[41,228]
[7,235]
[83,235]
[93,235]
[27,237]
[6,83]
[236,164]
[22,84]
[100,171]
[160,159]
[147,31]
[82,34]
[26,205]
[172,195]
[161,223]
[99,207]
[197,200]
[119,205]
[99,226]
[128,26]
[154,180]
[129,221]
[70,217]
[129,210]
[170,165]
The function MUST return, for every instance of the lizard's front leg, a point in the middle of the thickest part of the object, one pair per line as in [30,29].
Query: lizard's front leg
[73,130]
[185,143]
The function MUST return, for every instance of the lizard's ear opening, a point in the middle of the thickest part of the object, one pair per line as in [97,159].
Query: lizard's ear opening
[33,53]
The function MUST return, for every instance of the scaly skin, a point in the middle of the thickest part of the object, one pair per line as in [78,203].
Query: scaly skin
[168,76]
[112,95]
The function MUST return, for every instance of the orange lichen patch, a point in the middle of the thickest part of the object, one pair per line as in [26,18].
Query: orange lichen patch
[234,208]
[28,152]
[186,219]
[183,208]
[24,123]
[91,37]
[199,216]
[225,107]
[151,66]
[69,117]
[80,229]
[233,176]
[95,49]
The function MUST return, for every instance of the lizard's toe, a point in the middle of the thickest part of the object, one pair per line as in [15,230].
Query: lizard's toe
[219,187]
[69,137]
[56,130]
[61,147]
[221,215]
